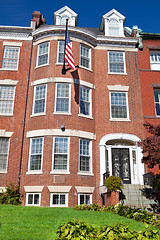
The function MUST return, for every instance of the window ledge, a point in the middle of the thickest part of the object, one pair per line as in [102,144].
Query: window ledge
[38,114]
[85,116]
[119,120]
[61,113]
[8,69]
[85,174]
[6,114]
[116,73]
[60,172]
[42,65]
[90,70]
[34,172]
[3,171]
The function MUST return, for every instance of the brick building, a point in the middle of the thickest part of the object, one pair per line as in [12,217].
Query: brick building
[61,135]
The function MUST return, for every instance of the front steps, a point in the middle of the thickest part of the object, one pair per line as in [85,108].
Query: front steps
[133,195]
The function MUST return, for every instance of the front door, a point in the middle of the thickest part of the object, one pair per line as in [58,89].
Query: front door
[121,164]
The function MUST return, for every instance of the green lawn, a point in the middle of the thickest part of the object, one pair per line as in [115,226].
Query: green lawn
[27,223]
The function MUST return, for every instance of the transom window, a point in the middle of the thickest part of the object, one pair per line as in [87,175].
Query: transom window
[116,62]
[36,150]
[85,101]
[118,105]
[4,148]
[59,200]
[157,101]
[84,199]
[10,57]
[61,46]
[113,27]
[43,54]
[39,99]
[84,155]
[33,199]
[85,56]
[155,60]
[6,99]
[62,97]
[60,156]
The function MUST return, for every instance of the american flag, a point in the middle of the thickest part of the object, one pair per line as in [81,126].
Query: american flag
[68,51]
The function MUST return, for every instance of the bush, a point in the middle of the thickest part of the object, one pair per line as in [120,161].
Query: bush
[113,183]
[10,196]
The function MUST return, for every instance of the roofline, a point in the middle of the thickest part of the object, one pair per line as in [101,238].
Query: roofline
[145,35]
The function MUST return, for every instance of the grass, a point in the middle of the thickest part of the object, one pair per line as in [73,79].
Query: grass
[31,223]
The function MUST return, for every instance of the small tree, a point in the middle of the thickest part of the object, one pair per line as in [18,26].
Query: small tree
[151,146]
[113,183]
[10,196]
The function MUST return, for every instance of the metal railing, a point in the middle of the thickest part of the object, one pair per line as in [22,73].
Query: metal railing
[105,175]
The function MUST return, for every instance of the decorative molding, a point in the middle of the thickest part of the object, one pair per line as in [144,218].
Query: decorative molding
[8,82]
[118,88]
[59,132]
[15,44]
[3,133]
[81,189]
[59,189]
[33,188]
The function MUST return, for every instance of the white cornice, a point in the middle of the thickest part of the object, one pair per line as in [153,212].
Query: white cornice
[15,33]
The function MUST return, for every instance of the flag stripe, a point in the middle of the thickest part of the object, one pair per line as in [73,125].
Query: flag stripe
[68,52]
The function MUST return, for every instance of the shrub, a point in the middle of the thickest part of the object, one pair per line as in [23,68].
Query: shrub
[10,196]
[113,183]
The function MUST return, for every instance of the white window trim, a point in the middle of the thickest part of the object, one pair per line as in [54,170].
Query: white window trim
[155,65]
[84,194]
[90,172]
[27,204]
[90,63]
[35,171]
[59,205]
[119,119]
[55,102]
[56,171]
[10,114]
[42,113]
[156,102]
[5,170]
[90,99]
[11,69]
[124,61]
[37,66]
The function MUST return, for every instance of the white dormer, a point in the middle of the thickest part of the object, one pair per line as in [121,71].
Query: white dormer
[63,13]
[112,24]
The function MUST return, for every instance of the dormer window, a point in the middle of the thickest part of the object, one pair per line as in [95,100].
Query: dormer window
[113,27]
[63,13]
[63,20]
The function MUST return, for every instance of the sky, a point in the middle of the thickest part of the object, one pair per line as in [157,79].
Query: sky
[143,13]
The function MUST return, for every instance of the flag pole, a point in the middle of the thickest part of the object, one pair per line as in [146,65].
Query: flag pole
[64,69]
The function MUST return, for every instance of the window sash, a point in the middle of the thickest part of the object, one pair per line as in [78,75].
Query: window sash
[43,54]
[4,149]
[10,57]
[85,101]
[85,56]
[157,101]
[113,27]
[119,105]
[40,99]
[33,199]
[84,199]
[84,156]
[62,97]
[6,99]
[61,46]
[60,153]
[59,199]
[116,62]
[36,151]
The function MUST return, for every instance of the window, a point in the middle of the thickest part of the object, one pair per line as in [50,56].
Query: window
[155,60]
[36,150]
[60,57]
[43,54]
[157,101]
[60,155]
[39,99]
[33,199]
[84,199]
[59,200]
[4,149]
[116,62]
[113,27]
[85,101]
[10,57]
[84,155]
[62,97]
[63,20]
[6,99]
[119,104]
[85,56]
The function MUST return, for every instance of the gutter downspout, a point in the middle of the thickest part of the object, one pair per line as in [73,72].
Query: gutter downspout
[24,120]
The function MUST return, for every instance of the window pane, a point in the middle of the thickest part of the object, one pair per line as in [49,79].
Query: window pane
[62,199]
[157,101]
[43,51]
[61,51]
[55,199]
[84,101]
[113,27]
[62,101]
[36,199]
[118,105]
[39,105]
[36,154]
[10,57]
[60,153]
[84,155]
[84,56]
[81,199]
[30,198]
[6,99]
[87,200]
[116,62]
[4,145]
